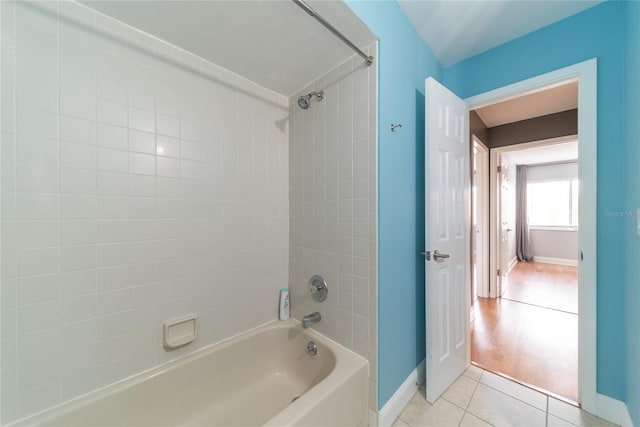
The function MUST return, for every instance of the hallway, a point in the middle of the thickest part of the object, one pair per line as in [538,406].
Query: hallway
[531,333]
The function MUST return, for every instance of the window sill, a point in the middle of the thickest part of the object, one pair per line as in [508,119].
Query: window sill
[551,228]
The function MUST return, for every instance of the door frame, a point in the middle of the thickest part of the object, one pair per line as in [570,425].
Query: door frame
[482,212]
[494,233]
[586,75]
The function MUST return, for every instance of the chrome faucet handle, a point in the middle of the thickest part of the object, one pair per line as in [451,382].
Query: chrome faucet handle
[319,288]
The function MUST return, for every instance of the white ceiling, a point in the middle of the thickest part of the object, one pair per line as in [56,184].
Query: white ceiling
[456,30]
[562,152]
[536,104]
[273,43]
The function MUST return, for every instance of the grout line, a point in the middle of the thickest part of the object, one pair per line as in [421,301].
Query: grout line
[538,305]
[547,413]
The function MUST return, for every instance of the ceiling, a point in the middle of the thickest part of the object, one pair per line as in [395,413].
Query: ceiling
[273,43]
[553,100]
[562,152]
[456,30]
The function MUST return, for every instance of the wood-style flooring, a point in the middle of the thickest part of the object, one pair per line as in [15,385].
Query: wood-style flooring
[531,342]
[545,285]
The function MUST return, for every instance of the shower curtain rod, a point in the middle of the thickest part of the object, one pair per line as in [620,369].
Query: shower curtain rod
[304,6]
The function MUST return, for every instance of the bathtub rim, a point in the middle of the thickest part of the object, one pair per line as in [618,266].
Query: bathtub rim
[321,389]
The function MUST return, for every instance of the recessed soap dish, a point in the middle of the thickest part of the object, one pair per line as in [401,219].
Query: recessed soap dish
[180,331]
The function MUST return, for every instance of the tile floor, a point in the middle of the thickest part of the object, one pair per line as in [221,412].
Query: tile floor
[480,398]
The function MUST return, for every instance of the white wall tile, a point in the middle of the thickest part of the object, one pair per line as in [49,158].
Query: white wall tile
[78,105]
[38,234]
[36,151]
[113,183]
[332,188]
[34,262]
[77,181]
[142,142]
[167,125]
[37,289]
[112,113]
[141,120]
[74,258]
[38,372]
[143,164]
[120,204]
[76,206]
[77,130]
[114,137]
[37,179]
[112,160]
[38,344]
[77,384]
[74,233]
[77,155]
[167,146]
[36,123]
[38,398]
[76,283]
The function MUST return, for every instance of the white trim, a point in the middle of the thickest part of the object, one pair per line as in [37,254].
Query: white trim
[482,206]
[373,418]
[586,74]
[613,410]
[512,263]
[402,396]
[558,261]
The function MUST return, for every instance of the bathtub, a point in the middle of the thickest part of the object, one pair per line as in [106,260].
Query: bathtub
[262,377]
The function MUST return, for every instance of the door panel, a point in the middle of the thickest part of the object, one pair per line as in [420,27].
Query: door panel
[447,184]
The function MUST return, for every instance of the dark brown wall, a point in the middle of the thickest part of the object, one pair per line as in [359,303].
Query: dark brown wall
[536,129]
[478,128]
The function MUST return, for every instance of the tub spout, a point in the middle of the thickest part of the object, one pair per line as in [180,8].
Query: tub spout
[310,318]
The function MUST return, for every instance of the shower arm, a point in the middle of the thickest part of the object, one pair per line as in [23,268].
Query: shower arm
[304,6]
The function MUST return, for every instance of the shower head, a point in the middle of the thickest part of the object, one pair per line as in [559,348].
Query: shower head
[305,101]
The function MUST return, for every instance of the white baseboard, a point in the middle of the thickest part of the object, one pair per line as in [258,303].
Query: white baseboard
[402,396]
[559,261]
[373,418]
[613,410]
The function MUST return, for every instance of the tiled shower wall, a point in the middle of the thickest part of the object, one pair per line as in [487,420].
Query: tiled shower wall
[333,167]
[139,183]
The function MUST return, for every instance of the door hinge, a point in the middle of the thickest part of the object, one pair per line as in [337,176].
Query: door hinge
[499,273]
[499,169]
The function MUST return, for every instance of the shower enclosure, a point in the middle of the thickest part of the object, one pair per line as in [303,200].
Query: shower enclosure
[146,175]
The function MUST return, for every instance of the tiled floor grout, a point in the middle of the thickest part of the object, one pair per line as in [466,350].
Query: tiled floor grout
[466,412]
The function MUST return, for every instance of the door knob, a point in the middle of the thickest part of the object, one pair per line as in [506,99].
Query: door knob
[437,255]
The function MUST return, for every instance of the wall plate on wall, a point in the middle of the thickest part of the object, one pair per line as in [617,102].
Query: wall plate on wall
[180,331]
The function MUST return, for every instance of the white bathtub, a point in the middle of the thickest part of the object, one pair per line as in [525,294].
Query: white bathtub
[247,380]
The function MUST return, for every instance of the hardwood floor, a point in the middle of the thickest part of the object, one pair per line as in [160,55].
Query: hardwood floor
[545,285]
[528,341]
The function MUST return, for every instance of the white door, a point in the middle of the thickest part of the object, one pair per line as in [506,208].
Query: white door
[504,229]
[447,243]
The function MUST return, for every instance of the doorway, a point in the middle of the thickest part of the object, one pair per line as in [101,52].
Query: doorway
[529,333]
[585,74]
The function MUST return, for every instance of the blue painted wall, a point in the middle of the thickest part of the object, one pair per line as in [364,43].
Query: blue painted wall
[596,32]
[632,92]
[404,63]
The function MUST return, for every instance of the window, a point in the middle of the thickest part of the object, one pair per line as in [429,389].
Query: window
[553,203]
